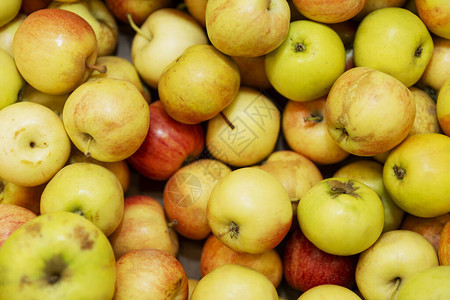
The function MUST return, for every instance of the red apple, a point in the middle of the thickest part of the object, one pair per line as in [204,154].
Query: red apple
[444,245]
[12,217]
[306,266]
[29,6]
[167,145]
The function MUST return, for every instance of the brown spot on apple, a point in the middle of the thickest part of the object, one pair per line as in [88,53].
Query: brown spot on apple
[83,236]
[33,229]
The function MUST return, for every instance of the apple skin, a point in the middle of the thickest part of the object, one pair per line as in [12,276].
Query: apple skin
[329,11]
[197,9]
[306,132]
[143,225]
[9,9]
[150,272]
[395,41]
[54,102]
[253,72]
[416,175]
[8,31]
[443,107]
[62,248]
[12,217]
[353,107]
[372,5]
[426,120]
[50,54]
[306,64]
[29,6]
[27,197]
[306,266]
[429,228]
[215,254]
[444,245]
[436,16]
[12,83]
[138,9]
[329,292]
[390,261]
[438,68]
[431,283]
[167,146]
[186,195]
[232,31]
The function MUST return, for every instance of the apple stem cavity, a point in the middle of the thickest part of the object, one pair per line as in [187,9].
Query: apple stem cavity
[233,230]
[313,118]
[79,212]
[338,188]
[229,123]
[87,153]
[101,69]
[299,47]
[172,223]
[399,172]
[343,135]
[54,268]
[418,52]
[137,29]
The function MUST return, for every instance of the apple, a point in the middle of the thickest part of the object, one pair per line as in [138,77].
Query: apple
[370,173]
[143,225]
[101,19]
[214,254]
[89,190]
[8,31]
[161,39]
[306,132]
[390,261]
[232,281]
[12,217]
[247,28]
[416,175]
[249,210]
[306,266]
[431,283]
[253,72]
[29,6]
[246,131]
[107,119]
[368,111]
[199,84]
[341,216]
[26,197]
[329,292]
[430,228]
[329,11]
[192,283]
[54,102]
[306,64]
[443,107]
[346,31]
[150,273]
[31,153]
[50,55]
[373,5]
[426,120]
[438,68]
[186,194]
[9,9]
[167,145]
[435,14]
[395,41]
[444,245]
[11,83]
[120,68]
[139,10]
[197,9]
[57,256]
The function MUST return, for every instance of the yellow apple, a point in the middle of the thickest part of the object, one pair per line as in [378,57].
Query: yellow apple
[426,120]
[9,10]
[329,11]
[431,283]
[11,82]
[8,31]
[436,16]
[443,107]
[197,9]
[438,68]
[54,102]
[329,292]
[253,72]
[192,283]
[27,197]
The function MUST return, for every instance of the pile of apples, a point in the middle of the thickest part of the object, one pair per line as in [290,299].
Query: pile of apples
[302,146]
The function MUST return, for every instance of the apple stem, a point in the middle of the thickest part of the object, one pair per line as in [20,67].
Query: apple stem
[233,229]
[313,118]
[137,29]
[101,69]
[172,223]
[227,120]
[87,153]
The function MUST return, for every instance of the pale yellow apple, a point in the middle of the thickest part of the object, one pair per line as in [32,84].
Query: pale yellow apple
[7,32]
[161,39]
[426,120]
[395,41]
[247,28]
[253,72]
[436,16]
[54,102]
[431,283]
[107,119]
[372,5]
[31,152]
[329,292]
[246,131]
[438,68]
[52,56]
[27,197]
[231,281]
[192,283]
[11,81]
[443,107]
[249,210]
[368,111]
[329,11]
[9,10]
[197,9]
[199,84]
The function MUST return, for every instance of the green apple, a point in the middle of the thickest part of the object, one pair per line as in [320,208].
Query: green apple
[370,173]
[330,12]
[57,256]
[31,152]
[395,41]
[341,216]
[89,190]
[199,84]
[417,177]
[107,119]
[436,16]
[249,210]
[162,38]
[368,111]
[9,9]
[443,107]
[232,281]
[247,28]
[329,292]
[11,82]
[52,56]
[306,64]
[431,283]
[8,31]
[246,131]
[386,265]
